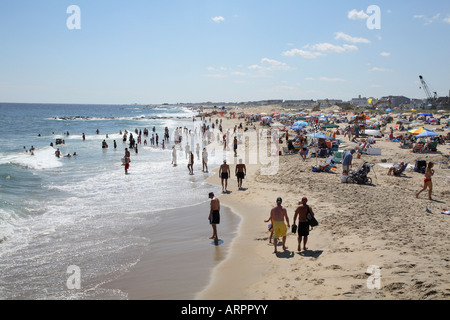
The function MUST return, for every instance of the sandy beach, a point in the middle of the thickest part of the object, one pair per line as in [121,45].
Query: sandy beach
[381,225]
[374,242]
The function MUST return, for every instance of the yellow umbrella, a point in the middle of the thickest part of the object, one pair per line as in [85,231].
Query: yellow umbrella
[413,110]
[417,131]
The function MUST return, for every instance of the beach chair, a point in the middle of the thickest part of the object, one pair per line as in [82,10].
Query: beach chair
[400,172]
[431,147]
[418,148]
[338,157]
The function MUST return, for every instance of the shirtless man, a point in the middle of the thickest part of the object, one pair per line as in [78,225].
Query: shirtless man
[278,214]
[224,173]
[240,171]
[214,215]
[303,226]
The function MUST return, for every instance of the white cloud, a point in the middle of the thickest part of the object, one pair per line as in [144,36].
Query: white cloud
[385,54]
[268,65]
[237,73]
[218,19]
[302,53]
[433,19]
[376,69]
[310,79]
[348,38]
[332,79]
[357,15]
[447,20]
[328,47]
[274,64]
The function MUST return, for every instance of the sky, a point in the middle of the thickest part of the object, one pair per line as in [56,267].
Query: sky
[193,51]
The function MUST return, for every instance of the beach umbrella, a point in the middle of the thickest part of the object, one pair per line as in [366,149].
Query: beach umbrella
[425,114]
[442,111]
[319,135]
[417,131]
[389,110]
[413,110]
[266,118]
[297,128]
[329,126]
[301,124]
[427,133]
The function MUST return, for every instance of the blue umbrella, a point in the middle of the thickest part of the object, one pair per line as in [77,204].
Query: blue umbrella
[425,114]
[319,135]
[427,133]
[266,118]
[301,124]
[389,110]
[297,128]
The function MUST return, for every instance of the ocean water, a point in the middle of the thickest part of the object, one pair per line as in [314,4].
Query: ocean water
[83,211]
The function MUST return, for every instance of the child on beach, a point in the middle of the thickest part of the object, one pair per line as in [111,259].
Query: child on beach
[270,228]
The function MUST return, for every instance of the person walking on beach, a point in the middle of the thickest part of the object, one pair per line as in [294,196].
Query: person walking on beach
[278,215]
[214,215]
[303,227]
[205,160]
[240,172]
[429,172]
[235,145]
[191,164]
[224,173]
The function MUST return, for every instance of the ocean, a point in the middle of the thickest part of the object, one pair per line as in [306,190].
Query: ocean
[82,214]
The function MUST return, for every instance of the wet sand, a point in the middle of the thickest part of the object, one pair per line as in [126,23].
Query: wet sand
[180,259]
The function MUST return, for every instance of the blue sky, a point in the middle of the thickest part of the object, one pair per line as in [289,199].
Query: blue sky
[180,51]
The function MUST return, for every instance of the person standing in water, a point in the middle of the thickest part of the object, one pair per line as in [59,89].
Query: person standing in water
[214,216]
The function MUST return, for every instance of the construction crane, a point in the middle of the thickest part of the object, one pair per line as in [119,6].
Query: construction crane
[383,101]
[431,98]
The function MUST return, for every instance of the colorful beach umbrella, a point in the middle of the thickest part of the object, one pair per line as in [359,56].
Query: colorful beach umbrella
[427,133]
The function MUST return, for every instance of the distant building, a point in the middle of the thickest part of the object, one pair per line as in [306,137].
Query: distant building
[361,102]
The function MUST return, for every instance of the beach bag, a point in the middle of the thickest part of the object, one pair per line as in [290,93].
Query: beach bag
[311,220]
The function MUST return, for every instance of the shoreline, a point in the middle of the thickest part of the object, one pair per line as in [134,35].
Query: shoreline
[179,255]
